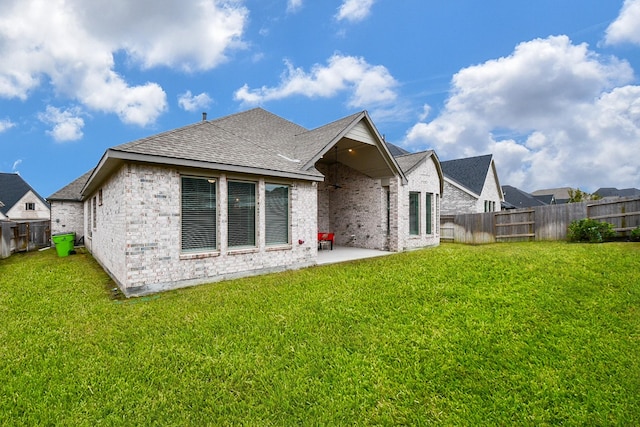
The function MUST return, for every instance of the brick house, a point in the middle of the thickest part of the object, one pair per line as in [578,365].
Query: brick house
[247,194]
[19,201]
[471,185]
[67,208]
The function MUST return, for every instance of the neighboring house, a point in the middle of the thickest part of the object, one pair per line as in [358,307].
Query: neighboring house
[247,194]
[514,198]
[67,208]
[471,185]
[19,202]
[559,195]
[614,193]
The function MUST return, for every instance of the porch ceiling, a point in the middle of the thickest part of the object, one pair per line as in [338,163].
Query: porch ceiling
[363,157]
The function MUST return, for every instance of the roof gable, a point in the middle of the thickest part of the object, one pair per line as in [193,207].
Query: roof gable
[410,161]
[254,142]
[470,172]
[12,189]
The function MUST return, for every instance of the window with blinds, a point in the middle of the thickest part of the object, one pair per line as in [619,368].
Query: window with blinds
[241,214]
[429,211]
[199,214]
[276,199]
[414,213]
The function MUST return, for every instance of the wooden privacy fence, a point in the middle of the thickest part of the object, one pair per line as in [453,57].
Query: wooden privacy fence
[538,223]
[23,236]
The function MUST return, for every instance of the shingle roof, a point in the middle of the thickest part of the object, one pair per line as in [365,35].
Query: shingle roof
[470,172]
[256,139]
[12,188]
[614,192]
[395,150]
[519,198]
[409,161]
[73,191]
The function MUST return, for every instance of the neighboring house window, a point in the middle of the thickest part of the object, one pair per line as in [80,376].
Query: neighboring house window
[30,206]
[199,214]
[489,206]
[93,201]
[414,213]
[100,197]
[276,198]
[429,212]
[241,214]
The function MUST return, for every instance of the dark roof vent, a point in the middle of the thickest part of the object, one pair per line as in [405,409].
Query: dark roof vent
[204,117]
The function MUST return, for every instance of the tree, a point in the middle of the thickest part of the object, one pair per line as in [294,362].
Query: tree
[577,195]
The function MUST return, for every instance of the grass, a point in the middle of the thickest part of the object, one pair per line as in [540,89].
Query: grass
[524,334]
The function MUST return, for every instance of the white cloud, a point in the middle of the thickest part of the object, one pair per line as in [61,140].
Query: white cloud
[626,28]
[294,5]
[70,43]
[5,125]
[191,103]
[17,163]
[354,10]
[67,124]
[566,115]
[368,85]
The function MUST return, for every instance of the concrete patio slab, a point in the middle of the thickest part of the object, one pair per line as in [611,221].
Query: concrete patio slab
[343,253]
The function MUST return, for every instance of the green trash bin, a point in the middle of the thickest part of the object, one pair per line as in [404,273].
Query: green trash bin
[64,243]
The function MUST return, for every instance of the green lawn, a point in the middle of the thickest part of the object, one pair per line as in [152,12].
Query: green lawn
[505,334]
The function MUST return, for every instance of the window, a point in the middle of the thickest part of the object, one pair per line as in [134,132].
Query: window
[89,222]
[276,199]
[428,210]
[100,197]
[93,204]
[199,214]
[388,194]
[241,214]
[414,213]
[30,206]
[489,206]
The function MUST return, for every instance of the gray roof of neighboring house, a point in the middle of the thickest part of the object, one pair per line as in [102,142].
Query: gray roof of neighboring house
[561,193]
[395,150]
[71,192]
[470,172]
[614,192]
[255,141]
[12,188]
[519,198]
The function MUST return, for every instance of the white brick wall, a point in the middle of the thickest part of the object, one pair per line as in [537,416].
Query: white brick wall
[137,234]
[19,212]
[457,201]
[423,179]
[355,212]
[67,217]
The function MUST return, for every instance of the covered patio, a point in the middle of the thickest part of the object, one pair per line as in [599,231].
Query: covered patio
[354,201]
[344,253]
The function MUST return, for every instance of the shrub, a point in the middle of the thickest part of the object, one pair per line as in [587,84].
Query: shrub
[590,230]
[635,234]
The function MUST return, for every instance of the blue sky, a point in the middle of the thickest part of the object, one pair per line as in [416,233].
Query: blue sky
[549,87]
